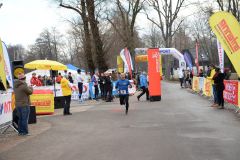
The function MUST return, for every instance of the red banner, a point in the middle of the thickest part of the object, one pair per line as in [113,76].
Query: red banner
[197,57]
[230,94]
[127,56]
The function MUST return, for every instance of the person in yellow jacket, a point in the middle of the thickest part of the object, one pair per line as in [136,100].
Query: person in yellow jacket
[67,93]
[215,93]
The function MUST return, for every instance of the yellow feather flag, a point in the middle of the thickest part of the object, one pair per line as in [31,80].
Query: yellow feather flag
[2,67]
[227,29]
[120,64]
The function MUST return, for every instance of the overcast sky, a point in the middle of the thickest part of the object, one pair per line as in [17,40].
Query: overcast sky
[23,20]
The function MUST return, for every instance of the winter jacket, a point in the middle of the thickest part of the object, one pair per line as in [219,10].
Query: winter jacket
[22,92]
[33,80]
[70,79]
[211,76]
[66,87]
[143,81]
[219,82]
[58,79]
[107,84]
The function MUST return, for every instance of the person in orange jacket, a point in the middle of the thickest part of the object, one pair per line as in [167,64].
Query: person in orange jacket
[59,78]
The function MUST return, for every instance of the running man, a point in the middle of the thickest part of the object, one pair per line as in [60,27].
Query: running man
[122,86]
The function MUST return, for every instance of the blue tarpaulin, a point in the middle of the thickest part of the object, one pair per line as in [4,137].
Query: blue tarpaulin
[72,67]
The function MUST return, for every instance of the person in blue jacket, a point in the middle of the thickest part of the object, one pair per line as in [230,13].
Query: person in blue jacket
[122,86]
[143,85]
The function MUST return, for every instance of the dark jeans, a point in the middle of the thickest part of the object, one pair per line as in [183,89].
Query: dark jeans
[96,91]
[144,90]
[102,89]
[66,109]
[215,94]
[124,100]
[80,88]
[220,98]
[181,81]
[23,114]
[108,91]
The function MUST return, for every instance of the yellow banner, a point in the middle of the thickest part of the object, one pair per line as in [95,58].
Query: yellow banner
[2,66]
[195,83]
[227,29]
[207,89]
[120,64]
[44,103]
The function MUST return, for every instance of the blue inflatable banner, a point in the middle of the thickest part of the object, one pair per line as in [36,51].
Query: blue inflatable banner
[188,60]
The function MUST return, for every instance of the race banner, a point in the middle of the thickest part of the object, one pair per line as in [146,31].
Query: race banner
[92,90]
[197,56]
[200,83]
[2,67]
[120,64]
[227,30]
[127,59]
[188,60]
[221,56]
[85,92]
[230,94]
[5,108]
[8,68]
[207,90]
[195,84]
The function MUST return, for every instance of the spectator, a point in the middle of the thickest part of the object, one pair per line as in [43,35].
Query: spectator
[39,81]
[49,81]
[108,87]
[67,92]
[208,71]
[227,73]
[22,102]
[190,78]
[95,80]
[70,77]
[101,82]
[58,79]
[201,73]
[186,78]
[80,80]
[181,78]
[88,77]
[218,80]
[143,85]
[215,93]
[33,80]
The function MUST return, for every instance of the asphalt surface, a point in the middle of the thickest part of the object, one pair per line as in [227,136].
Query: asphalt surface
[182,126]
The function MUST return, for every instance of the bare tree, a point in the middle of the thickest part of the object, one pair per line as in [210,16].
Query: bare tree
[166,18]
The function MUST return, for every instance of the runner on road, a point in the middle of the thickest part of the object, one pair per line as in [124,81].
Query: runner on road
[122,86]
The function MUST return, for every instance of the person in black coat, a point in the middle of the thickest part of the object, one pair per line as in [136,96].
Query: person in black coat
[218,80]
[107,86]
[101,80]
[70,77]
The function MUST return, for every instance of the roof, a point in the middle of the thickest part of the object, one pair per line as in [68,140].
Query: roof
[200,52]
[72,67]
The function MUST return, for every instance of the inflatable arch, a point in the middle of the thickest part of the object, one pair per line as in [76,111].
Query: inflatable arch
[162,51]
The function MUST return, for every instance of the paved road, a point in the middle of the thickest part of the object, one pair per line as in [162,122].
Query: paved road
[180,127]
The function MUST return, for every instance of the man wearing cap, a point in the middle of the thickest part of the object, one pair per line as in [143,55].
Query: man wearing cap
[95,80]
[22,102]
[80,85]
[70,77]
[67,93]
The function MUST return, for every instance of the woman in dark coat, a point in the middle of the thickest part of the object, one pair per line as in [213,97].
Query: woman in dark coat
[218,80]
[107,87]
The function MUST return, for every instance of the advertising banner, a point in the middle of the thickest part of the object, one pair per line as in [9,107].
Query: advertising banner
[126,57]
[92,90]
[200,83]
[85,92]
[230,94]
[207,90]
[8,68]
[195,83]
[221,56]
[43,101]
[227,30]
[154,72]
[197,56]
[5,108]
[120,64]
[188,60]
[2,67]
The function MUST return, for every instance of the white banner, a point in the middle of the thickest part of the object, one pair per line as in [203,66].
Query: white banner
[126,67]
[8,68]
[201,83]
[5,108]
[221,55]
[133,89]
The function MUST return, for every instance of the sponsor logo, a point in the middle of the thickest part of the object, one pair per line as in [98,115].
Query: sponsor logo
[47,66]
[154,55]
[207,87]
[41,103]
[0,58]
[165,51]
[227,33]
[6,107]
[195,83]
[188,62]
[6,69]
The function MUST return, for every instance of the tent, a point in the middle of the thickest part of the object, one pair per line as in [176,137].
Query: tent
[72,67]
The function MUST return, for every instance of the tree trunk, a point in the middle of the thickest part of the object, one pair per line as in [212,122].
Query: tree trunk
[102,65]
